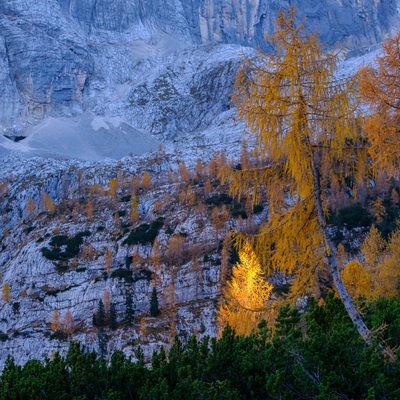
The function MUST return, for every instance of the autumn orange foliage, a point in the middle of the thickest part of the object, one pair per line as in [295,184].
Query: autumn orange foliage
[380,89]
[304,123]
[245,294]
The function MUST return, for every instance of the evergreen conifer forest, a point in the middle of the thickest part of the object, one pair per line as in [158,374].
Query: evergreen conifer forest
[317,354]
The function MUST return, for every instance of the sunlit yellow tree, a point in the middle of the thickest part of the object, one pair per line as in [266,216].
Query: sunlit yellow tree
[357,279]
[245,294]
[113,187]
[303,120]
[382,260]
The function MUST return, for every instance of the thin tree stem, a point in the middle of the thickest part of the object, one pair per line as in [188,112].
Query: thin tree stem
[354,315]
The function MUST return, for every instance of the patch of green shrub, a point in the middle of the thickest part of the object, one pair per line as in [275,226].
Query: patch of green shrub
[63,247]
[351,217]
[126,199]
[238,211]
[316,354]
[59,335]
[128,261]
[169,230]
[29,229]
[15,307]
[219,199]
[145,233]
[258,208]
[123,273]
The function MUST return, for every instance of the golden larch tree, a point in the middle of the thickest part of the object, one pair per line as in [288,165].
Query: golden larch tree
[4,188]
[89,210]
[379,86]
[225,255]
[199,170]
[357,279]
[183,173]
[176,249]
[106,301]
[108,261]
[134,214]
[55,321]
[68,324]
[156,258]
[113,187]
[304,123]
[382,260]
[5,292]
[48,204]
[373,250]
[208,187]
[245,295]
[30,207]
[146,181]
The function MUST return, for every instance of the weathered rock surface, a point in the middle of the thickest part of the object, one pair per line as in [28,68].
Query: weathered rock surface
[187,290]
[61,57]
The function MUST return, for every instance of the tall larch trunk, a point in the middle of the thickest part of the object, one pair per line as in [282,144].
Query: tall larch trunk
[347,301]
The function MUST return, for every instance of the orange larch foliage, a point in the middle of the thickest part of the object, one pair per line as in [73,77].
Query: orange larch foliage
[380,89]
[245,295]
[55,321]
[48,204]
[5,292]
[113,187]
[304,122]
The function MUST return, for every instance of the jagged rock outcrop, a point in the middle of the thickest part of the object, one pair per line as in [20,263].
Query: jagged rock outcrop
[61,57]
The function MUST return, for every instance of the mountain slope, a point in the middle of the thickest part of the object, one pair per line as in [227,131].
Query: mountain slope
[60,58]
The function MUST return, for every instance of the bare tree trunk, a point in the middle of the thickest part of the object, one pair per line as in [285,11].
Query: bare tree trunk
[355,316]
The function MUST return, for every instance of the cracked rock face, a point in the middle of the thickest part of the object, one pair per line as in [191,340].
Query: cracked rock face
[63,57]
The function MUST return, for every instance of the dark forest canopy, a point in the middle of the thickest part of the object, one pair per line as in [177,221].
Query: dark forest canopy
[314,355]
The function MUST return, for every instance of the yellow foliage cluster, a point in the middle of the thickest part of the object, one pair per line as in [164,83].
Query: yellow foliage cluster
[48,204]
[5,292]
[245,294]
[379,274]
[307,136]
[356,279]
[380,89]
[304,123]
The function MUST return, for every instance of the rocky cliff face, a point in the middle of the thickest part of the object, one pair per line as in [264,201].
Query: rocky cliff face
[61,57]
[183,263]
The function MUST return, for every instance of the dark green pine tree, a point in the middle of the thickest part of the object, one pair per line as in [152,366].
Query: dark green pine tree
[154,311]
[129,309]
[102,339]
[112,322]
[101,314]
[100,319]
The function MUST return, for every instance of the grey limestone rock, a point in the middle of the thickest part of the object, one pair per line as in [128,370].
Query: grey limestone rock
[62,57]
